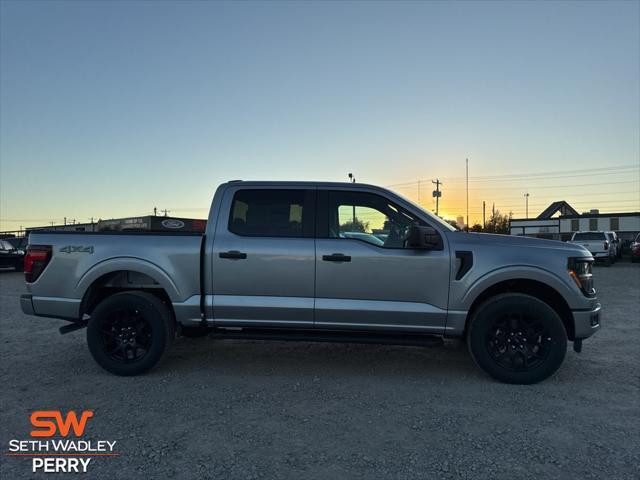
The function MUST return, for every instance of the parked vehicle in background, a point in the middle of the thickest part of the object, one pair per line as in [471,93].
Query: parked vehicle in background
[597,243]
[11,256]
[281,261]
[635,249]
[614,243]
[19,243]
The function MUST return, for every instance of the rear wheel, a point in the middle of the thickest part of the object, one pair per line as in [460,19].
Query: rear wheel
[129,332]
[19,266]
[517,338]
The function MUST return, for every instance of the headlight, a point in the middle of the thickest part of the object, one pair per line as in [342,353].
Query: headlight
[580,270]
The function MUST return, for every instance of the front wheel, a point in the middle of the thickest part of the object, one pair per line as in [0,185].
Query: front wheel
[516,338]
[129,332]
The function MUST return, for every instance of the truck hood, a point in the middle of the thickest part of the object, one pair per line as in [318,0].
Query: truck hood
[459,239]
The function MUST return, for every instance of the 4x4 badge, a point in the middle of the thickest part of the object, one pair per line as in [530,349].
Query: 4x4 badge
[77,248]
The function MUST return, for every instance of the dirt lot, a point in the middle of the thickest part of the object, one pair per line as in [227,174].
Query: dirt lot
[285,410]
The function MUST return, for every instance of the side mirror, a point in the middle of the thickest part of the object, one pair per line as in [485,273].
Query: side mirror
[423,237]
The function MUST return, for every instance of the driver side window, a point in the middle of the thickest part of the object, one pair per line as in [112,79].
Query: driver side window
[369,218]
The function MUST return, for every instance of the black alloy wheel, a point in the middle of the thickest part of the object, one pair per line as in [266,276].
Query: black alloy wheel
[126,335]
[518,341]
[517,338]
[129,332]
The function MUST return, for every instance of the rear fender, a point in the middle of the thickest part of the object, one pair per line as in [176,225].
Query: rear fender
[129,264]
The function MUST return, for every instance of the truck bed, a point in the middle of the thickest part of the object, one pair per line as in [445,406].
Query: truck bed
[170,260]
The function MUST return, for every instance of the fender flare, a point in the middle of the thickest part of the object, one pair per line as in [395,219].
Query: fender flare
[132,264]
[519,272]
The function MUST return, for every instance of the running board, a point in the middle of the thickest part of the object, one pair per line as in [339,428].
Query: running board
[72,327]
[408,339]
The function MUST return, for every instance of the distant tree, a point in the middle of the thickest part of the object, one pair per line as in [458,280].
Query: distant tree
[498,223]
[453,223]
[355,225]
[476,227]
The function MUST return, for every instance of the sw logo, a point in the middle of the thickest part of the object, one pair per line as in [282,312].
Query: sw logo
[66,453]
[44,420]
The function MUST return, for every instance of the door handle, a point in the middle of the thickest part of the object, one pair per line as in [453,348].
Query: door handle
[336,257]
[233,254]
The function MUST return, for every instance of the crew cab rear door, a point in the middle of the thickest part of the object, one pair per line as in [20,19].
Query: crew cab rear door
[365,278]
[263,257]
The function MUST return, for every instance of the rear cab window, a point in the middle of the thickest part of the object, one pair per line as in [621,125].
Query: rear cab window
[585,236]
[272,213]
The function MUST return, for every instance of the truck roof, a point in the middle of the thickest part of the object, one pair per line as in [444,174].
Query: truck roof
[290,183]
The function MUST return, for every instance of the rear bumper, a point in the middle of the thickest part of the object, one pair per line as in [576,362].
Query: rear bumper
[586,322]
[26,304]
[54,307]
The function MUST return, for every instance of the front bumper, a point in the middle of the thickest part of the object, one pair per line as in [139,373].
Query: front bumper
[586,322]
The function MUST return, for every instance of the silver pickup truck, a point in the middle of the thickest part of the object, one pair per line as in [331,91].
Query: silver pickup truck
[312,261]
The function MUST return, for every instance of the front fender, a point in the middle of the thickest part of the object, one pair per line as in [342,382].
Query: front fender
[569,292]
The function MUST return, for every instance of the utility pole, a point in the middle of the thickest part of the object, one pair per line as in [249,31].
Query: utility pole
[467,194]
[484,218]
[526,199]
[65,220]
[437,193]
[353,180]
[155,211]
[165,211]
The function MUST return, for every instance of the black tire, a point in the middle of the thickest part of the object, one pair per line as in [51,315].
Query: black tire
[607,262]
[19,266]
[517,338]
[129,332]
[195,332]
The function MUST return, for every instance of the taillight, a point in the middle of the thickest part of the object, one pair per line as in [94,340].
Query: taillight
[35,261]
[606,245]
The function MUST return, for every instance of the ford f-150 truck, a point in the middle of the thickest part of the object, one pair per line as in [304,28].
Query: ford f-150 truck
[311,261]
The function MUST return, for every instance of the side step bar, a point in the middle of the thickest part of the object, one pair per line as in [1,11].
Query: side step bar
[417,340]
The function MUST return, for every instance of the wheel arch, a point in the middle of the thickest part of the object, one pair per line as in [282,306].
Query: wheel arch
[534,288]
[103,282]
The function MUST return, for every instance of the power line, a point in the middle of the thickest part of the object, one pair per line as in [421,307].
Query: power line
[536,187]
[530,176]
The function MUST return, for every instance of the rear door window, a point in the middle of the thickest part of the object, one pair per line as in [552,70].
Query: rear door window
[272,213]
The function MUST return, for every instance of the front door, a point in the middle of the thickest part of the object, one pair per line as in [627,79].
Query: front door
[366,278]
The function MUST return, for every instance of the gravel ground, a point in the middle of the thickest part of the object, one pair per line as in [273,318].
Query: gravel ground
[275,410]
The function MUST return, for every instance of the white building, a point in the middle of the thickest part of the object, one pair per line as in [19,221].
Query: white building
[560,220]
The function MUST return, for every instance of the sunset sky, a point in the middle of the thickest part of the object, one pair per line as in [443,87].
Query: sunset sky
[108,109]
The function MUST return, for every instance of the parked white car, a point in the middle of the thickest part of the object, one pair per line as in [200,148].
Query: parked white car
[598,243]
